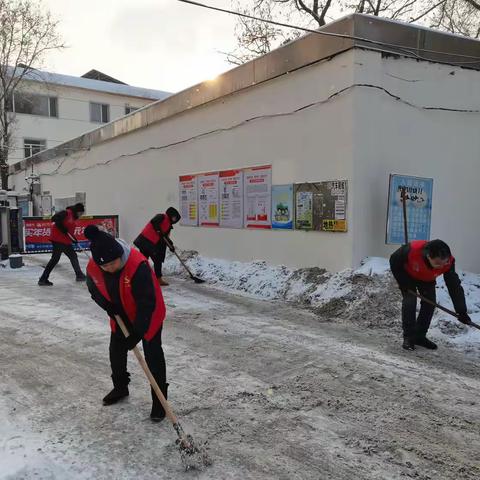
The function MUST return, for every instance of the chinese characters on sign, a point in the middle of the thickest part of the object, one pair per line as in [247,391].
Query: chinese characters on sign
[419,208]
[208,199]
[321,206]
[304,210]
[37,231]
[231,198]
[188,200]
[245,198]
[258,197]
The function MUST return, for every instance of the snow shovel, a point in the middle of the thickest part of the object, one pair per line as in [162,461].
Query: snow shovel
[450,312]
[192,456]
[172,249]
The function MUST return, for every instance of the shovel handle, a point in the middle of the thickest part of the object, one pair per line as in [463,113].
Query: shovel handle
[404,208]
[73,239]
[168,410]
[431,302]
[170,246]
[440,307]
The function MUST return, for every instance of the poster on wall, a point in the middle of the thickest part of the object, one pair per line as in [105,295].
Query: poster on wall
[257,197]
[332,216]
[282,207]
[419,208]
[208,199]
[321,206]
[231,198]
[188,200]
[304,210]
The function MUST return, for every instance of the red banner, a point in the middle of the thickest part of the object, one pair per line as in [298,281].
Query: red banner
[37,231]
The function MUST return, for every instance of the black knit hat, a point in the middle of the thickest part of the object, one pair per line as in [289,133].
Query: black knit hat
[79,207]
[173,214]
[103,246]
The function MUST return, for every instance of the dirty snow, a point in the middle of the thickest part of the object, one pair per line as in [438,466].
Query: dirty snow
[299,377]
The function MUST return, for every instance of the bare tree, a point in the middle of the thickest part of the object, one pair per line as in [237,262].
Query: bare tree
[456,16]
[256,38]
[27,33]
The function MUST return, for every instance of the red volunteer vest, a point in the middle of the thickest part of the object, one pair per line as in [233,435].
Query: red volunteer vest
[151,234]
[60,237]
[128,302]
[416,266]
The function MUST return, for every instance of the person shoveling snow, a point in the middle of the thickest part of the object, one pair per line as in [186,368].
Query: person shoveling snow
[151,241]
[415,267]
[121,282]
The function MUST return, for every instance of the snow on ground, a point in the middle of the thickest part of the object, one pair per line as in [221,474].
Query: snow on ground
[301,377]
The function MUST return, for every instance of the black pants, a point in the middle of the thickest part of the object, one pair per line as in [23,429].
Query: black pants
[413,326]
[153,355]
[157,256]
[58,249]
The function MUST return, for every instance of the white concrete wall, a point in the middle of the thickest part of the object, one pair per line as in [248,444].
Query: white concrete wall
[362,135]
[392,137]
[73,115]
[312,145]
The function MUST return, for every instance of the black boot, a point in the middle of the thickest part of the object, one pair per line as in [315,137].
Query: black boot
[408,343]
[158,412]
[120,389]
[44,282]
[425,342]
[81,277]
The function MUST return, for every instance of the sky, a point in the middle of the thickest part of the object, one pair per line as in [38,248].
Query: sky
[159,44]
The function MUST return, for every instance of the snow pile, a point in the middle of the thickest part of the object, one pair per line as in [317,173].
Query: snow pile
[367,296]
[314,286]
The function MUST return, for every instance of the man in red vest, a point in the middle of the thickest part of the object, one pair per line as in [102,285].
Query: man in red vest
[121,282]
[151,240]
[62,238]
[416,266]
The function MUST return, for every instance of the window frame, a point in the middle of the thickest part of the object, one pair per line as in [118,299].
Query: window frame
[50,100]
[104,107]
[130,109]
[34,142]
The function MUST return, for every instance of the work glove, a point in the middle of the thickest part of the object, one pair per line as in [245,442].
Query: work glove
[171,247]
[112,310]
[132,341]
[72,238]
[464,318]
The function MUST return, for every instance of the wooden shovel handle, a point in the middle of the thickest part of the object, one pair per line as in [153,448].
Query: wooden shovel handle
[168,410]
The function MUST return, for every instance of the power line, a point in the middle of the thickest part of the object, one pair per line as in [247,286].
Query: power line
[404,48]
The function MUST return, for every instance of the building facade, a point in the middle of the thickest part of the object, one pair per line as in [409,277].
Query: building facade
[51,108]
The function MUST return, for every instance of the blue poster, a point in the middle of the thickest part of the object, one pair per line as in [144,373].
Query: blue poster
[282,206]
[419,208]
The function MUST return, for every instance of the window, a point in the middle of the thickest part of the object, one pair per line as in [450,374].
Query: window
[34,104]
[130,109]
[32,146]
[53,107]
[99,112]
